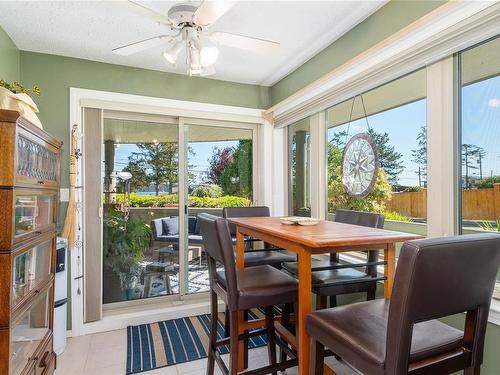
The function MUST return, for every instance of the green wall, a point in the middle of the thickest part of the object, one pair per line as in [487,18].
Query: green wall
[9,58]
[386,21]
[56,74]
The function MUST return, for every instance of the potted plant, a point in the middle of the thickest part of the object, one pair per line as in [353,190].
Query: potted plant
[15,97]
[124,242]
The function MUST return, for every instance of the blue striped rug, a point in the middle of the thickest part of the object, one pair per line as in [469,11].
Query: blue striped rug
[166,343]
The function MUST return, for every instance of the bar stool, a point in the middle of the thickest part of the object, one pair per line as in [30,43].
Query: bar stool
[242,290]
[435,278]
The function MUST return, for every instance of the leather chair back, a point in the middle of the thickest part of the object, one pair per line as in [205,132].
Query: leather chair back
[219,248]
[256,211]
[440,277]
[365,219]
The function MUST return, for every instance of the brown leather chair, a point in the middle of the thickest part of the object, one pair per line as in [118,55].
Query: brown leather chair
[330,278]
[435,278]
[257,257]
[242,290]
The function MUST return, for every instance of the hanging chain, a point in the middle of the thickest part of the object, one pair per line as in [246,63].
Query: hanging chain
[364,110]
[350,116]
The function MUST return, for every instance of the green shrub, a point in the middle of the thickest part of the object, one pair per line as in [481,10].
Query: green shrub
[491,226]
[169,200]
[391,215]
[373,202]
[210,191]
[487,182]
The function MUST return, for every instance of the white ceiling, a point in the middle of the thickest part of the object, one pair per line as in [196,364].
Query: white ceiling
[91,29]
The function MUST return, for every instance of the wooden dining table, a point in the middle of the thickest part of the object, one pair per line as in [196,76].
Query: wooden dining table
[306,241]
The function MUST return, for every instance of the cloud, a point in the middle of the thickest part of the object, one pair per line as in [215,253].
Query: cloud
[495,103]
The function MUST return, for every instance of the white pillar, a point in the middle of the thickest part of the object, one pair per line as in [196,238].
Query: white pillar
[442,151]
[318,165]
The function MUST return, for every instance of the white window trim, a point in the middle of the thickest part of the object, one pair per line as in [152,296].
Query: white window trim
[135,105]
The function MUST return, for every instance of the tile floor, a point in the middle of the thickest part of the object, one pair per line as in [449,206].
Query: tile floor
[105,354]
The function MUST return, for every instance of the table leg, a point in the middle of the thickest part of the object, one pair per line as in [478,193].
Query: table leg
[389,268]
[240,264]
[240,250]
[304,308]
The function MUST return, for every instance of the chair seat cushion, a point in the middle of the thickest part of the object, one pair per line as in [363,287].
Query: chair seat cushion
[195,238]
[262,286]
[330,277]
[358,332]
[268,257]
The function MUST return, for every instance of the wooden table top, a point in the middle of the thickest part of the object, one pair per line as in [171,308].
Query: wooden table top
[325,234]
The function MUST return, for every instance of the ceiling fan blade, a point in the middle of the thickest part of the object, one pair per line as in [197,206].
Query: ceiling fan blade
[243,42]
[142,45]
[147,12]
[211,10]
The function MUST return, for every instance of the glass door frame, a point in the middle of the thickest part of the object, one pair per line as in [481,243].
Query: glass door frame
[183,124]
[154,118]
[183,133]
[79,99]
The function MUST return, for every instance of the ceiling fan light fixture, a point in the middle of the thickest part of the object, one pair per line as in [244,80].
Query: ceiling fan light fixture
[172,54]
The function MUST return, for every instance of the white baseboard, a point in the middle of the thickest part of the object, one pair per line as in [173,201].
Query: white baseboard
[127,317]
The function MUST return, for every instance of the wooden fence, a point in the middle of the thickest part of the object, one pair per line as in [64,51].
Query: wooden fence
[478,204]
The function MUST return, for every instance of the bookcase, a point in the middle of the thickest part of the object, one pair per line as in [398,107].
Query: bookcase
[29,192]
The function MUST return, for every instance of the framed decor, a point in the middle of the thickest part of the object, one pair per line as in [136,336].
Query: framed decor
[360,163]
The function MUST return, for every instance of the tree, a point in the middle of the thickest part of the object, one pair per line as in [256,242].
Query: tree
[389,159]
[480,154]
[160,161]
[236,179]
[221,158]
[469,152]
[140,179]
[420,156]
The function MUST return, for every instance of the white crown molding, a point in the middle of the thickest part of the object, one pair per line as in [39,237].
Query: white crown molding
[362,11]
[114,101]
[452,27]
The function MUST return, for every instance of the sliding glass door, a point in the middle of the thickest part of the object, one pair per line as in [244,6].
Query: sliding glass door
[140,244]
[219,159]
[157,174]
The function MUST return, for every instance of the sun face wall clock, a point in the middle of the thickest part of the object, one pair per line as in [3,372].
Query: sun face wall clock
[359,165]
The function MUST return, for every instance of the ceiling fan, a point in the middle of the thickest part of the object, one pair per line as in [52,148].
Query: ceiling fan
[190,22]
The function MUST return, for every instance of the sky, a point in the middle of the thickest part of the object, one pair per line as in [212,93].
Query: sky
[198,160]
[480,118]
[481,121]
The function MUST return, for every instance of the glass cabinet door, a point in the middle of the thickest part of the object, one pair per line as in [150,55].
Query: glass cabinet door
[28,332]
[30,268]
[33,212]
[36,163]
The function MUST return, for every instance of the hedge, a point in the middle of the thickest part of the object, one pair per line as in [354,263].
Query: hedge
[168,200]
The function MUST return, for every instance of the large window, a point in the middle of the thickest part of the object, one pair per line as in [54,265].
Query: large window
[299,150]
[480,131]
[395,116]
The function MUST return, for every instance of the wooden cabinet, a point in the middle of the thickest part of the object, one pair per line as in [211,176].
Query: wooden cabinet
[29,191]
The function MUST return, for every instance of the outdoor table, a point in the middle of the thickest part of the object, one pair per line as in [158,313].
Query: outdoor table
[306,241]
